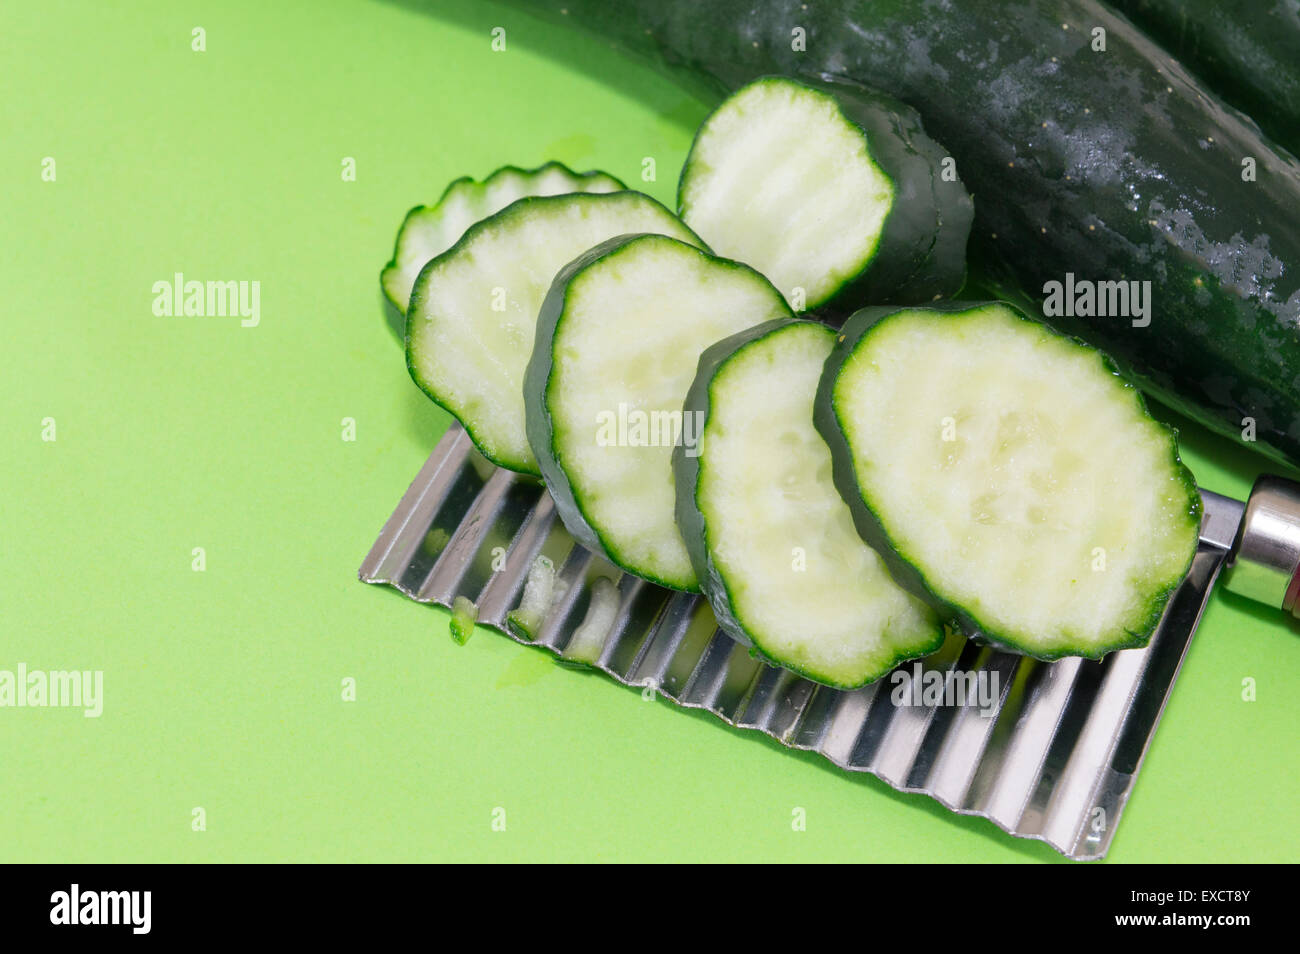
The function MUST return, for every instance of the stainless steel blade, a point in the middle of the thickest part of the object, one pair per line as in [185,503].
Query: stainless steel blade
[1054,757]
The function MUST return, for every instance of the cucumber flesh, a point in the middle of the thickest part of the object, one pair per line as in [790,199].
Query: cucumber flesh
[539,592]
[588,640]
[827,188]
[617,343]
[474,308]
[464,614]
[1009,476]
[429,230]
[770,538]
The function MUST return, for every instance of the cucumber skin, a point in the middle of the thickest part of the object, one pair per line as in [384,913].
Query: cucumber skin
[895,273]
[537,418]
[537,377]
[1247,53]
[686,471]
[941,271]
[690,520]
[906,574]
[986,75]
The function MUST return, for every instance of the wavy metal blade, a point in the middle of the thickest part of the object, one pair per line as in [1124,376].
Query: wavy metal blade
[1053,756]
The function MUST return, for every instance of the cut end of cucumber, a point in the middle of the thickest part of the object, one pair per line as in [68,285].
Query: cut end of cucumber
[429,230]
[778,554]
[474,309]
[1015,475]
[618,342]
[780,179]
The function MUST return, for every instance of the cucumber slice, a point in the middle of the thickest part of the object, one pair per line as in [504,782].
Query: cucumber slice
[429,230]
[618,338]
[469,331]
[769,537]
[829,187]
[1009,476]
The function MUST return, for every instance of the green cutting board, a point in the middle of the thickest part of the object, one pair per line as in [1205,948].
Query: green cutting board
[225,688]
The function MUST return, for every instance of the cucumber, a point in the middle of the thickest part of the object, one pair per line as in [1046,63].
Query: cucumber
[618,337]
[831,190]
[464,614]
[1009,476]
[1249,53]
[1107,165]
[429,230]
[772,543]
[469,329]
[539,591]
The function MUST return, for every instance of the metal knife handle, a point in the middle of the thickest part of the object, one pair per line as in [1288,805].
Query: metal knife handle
[1266,555]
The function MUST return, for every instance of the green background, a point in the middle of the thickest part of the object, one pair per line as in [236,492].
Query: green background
[223,687]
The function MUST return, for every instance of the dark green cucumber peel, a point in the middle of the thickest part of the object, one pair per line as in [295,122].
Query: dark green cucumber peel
[537,378]
[909,264]
[956,209]
[686,472]
[939,271]
[869,526]
[1248,53]
[920,258]
[691,521]
[1110,165]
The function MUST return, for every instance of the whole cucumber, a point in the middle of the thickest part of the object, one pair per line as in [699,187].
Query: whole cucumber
[1091,155]
[1248,52]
